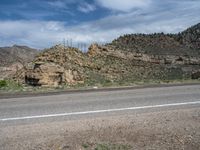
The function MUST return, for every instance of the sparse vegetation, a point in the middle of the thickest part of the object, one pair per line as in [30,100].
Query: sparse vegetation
[10,85]
[3,84]
[185,43]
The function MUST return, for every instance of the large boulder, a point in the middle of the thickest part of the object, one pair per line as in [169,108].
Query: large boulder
[44,74]
[50,74]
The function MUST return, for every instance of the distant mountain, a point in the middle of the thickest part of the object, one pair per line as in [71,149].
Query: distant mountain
[16,54]
[186,43]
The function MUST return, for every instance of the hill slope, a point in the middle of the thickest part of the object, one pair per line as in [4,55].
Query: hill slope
[186,43]
[130,58]
[191,37]
[14,58]
[10,55]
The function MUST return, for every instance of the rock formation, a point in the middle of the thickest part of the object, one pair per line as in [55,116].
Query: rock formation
[53,68]
[127,59]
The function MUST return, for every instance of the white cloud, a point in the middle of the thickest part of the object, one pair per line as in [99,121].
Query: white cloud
[123,5]
[61,3]
[41,34]
[31,33]
[58,4]
[86,7]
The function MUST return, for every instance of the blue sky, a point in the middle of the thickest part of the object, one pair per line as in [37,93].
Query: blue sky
[43,23]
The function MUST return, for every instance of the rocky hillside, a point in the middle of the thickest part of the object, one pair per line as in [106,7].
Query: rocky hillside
[186,43]
[130,58]
[191,37]
[13,58]
[10,55]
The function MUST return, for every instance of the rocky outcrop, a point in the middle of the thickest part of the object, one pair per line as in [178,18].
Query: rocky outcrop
[127,59]
[57,66]
[96,49]
[50,74]
[44,74]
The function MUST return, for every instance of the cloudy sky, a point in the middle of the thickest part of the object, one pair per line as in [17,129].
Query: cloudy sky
[43,23]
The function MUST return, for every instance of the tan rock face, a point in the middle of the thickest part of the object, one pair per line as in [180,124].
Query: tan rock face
[93,50]
[49,74]
[45,74]
[53,67]
[68,76]
[96,49]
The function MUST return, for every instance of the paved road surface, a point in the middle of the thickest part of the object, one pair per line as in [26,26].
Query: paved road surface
[168,115]
[99,103]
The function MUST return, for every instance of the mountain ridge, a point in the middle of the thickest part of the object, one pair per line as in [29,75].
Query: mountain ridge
[14,58]
[130,58]
[16,53]
[185,43]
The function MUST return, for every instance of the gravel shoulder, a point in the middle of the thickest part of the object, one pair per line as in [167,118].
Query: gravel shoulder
[168,129]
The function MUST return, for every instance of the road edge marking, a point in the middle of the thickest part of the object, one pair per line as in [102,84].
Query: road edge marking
[98,111]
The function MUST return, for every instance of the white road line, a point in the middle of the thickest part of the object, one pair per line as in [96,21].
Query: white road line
[99,111]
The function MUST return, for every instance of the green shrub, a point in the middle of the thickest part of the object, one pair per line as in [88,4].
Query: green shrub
[3,83]
[10,85]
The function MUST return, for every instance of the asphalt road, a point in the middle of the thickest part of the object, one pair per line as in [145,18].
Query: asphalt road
[100,103]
